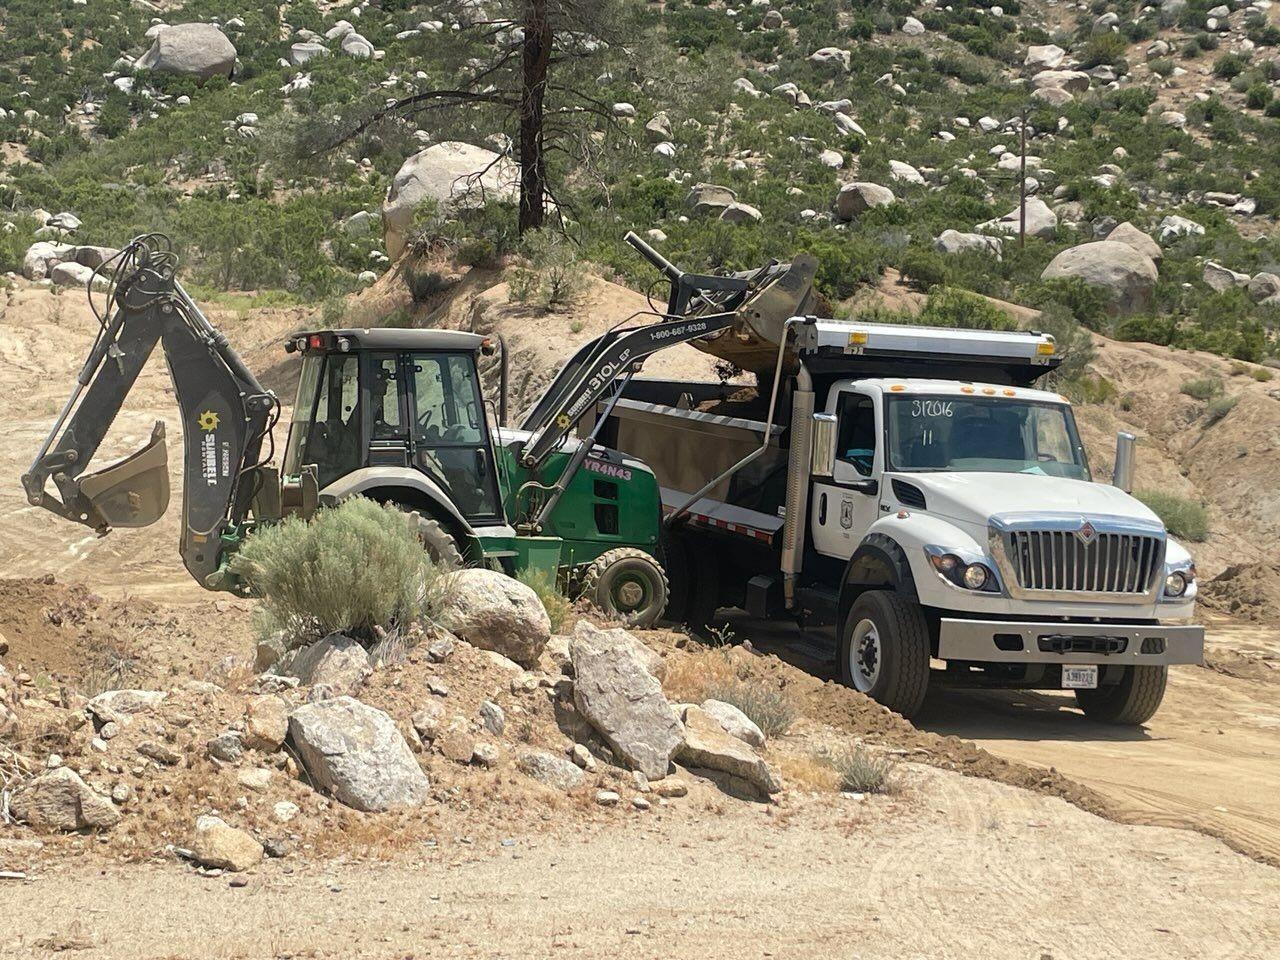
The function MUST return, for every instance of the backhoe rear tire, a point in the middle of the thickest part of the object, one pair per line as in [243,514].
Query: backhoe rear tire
[1134,700]
[439,543]
[627,584]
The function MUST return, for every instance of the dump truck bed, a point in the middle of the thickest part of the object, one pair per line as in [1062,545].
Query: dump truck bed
[687,448]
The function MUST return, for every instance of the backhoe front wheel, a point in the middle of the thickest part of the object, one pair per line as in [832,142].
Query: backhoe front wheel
[1134,700]
[884,651]
[627,584]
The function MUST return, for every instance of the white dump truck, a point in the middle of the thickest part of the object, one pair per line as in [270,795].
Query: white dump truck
[909,486]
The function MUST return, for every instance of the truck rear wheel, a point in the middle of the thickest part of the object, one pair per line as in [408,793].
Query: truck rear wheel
[884,651]
[694,578]
[1135,699]
[628,584]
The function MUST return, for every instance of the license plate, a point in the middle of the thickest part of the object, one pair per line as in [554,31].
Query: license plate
[1079,678]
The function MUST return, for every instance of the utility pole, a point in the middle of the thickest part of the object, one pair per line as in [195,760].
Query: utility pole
[1022,183]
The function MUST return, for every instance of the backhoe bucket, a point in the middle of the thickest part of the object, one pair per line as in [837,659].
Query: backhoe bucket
[133,492]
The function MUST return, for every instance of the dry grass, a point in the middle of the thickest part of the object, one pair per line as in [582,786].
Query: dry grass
[713,675]
[808,772]
[558,606]
[858,770]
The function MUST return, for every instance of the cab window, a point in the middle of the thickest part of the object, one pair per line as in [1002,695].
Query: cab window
[856,442]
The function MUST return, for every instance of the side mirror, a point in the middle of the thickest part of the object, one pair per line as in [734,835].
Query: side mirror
[822,461]
[1126,461]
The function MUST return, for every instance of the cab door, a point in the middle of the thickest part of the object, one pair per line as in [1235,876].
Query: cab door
[450,431]
[845,505]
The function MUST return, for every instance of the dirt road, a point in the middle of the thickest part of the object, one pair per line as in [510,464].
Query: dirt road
[953,867]
[1209,760]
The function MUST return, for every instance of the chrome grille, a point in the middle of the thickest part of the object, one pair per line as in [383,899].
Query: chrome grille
[1059,560]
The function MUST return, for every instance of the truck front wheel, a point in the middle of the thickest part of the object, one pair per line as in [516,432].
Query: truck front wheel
[1135,699]
[884,651]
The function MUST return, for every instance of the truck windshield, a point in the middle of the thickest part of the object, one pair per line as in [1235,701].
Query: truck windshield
[980,434]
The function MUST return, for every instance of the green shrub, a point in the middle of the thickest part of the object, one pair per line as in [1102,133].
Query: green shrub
[1229,65]
[1162,66]
[1102,48]
[1086,303]
[557,605]
[764,704]
[1203,389]
[953,307]
[923,267]
[1258,96]
[1262,375]
[861,771]
[352,569]
[1182,517]
[556,277]
[1091,388]
[1218,408]
[1273,109]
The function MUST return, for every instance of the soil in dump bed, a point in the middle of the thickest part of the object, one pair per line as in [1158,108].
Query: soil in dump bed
[69,635]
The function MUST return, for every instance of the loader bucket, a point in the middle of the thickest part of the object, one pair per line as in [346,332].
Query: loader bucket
[133,492]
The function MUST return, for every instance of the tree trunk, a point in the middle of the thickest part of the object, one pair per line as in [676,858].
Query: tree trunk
[535,59]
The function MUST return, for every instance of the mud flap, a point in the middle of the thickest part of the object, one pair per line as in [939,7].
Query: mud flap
[133,492]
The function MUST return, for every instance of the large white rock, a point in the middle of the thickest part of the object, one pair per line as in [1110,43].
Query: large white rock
[1173,226]
[953,241]
[550,770]
[60,800]
[829,56]
[72,274]
[336,662]
[220,846]
[1222,278]
[1265,288]
[855,199]
[1041,221]
[847,125]
[707,745]
[615,692]
[734,722]
[912,27]
[354,45]
[709,199]
[300,53]
[1073,81]
[492,611]
[41,256]
[122,705]
[905,173]
[450,173]
[740,213]
[1127,233]
[198,50]
[355,753]
[1125,275]
[1045,56]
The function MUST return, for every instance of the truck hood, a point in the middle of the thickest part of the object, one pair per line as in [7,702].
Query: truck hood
[973,498]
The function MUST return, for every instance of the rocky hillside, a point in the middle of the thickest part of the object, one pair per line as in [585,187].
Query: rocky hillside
[877,135]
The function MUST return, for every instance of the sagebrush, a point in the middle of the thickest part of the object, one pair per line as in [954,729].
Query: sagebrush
[353,569]
[557,605]
[1182,517]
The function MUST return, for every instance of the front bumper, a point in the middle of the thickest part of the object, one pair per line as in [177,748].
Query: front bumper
[999,641]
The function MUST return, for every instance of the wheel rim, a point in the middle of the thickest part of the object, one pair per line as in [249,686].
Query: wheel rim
[864,656]
[630,594]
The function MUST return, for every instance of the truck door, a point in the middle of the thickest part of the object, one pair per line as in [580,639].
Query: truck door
[848,503]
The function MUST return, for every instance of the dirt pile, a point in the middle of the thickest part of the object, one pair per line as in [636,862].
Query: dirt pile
[65,636]
[1248,591]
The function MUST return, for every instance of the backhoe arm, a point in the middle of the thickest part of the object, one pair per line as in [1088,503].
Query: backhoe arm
[226,415]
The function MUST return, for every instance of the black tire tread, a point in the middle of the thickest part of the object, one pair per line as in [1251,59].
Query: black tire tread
[591,579]
[1132,701]
[438,542]
[906,625]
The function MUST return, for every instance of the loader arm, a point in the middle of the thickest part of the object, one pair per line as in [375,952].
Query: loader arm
[226,416]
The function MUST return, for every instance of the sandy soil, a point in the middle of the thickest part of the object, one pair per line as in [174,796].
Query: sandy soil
[953,867]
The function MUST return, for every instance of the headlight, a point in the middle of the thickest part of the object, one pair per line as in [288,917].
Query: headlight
[976,576]
[968,576]
[1175,584]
